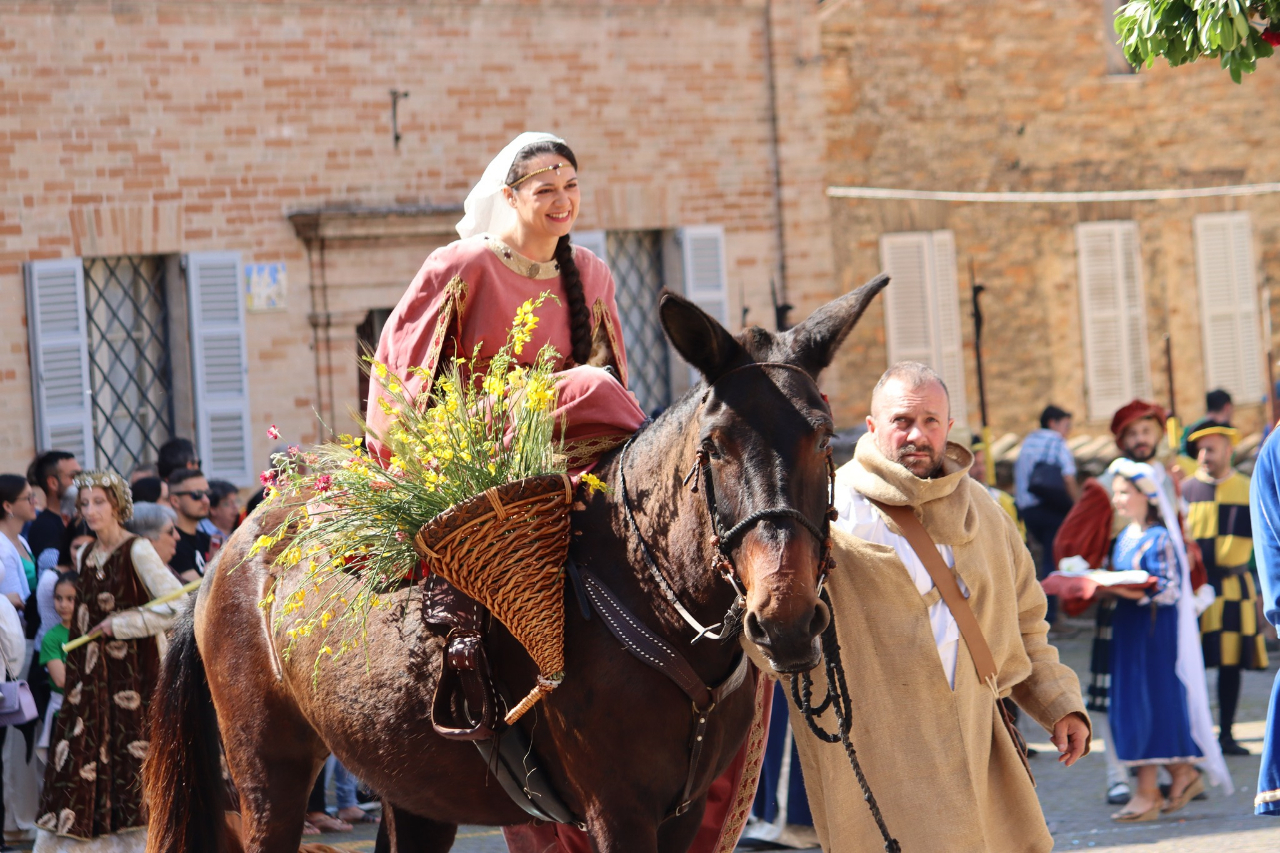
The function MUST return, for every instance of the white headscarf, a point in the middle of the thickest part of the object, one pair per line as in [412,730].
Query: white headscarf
[485,210]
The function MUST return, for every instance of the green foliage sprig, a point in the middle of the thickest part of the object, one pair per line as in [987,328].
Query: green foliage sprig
[1237,32]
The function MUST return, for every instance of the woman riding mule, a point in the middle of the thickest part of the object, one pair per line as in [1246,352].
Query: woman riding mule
[515,244]
[758,429]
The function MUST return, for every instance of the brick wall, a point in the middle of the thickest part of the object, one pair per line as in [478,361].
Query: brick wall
[166,128]
[992,97]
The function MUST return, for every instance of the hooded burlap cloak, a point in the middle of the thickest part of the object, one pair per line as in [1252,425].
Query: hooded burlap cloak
[941,764]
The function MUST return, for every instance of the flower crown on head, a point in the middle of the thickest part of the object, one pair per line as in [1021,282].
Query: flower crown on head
[112,482]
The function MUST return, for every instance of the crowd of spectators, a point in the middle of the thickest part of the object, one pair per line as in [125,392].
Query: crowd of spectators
[180,519]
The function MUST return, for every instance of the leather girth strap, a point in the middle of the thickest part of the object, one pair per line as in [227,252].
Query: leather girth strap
[659,654]
[945,582]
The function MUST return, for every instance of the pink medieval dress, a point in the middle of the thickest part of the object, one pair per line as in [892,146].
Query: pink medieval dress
[466,294]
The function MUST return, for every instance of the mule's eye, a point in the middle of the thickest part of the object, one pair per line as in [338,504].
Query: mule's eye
[712,450]
[825,441]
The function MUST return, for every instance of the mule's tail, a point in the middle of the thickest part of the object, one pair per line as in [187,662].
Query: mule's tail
[182,776]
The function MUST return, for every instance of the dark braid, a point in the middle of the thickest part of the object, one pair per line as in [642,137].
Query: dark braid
[570,277]
[579,316]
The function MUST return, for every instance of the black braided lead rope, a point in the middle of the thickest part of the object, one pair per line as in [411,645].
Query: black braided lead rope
[839,700]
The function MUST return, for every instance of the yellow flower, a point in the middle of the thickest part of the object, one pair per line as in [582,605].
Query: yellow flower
[380,370]
[325,650]
[594,484]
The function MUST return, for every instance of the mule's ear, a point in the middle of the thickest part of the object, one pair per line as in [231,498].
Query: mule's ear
[699,337]
[814,342]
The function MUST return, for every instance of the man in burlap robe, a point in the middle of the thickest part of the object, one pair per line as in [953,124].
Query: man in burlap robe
[944,770]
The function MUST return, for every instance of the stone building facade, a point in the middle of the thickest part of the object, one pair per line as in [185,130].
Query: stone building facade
[236,163]
[1026,97]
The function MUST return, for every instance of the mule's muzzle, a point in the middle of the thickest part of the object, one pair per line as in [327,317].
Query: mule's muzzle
[791,646]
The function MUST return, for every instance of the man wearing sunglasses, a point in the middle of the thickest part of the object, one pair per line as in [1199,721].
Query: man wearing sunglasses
[189,497]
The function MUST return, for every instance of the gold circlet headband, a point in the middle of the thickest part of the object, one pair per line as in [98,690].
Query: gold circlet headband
[557,167]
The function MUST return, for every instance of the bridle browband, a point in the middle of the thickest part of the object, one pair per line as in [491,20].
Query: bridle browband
[723,540]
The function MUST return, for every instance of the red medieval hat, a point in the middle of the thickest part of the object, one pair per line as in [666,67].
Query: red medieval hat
[1131,413]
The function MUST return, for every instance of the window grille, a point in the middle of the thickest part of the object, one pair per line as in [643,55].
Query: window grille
[131,378]
[635,258]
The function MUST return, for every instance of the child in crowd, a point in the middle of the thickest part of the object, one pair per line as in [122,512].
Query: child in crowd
[52,657]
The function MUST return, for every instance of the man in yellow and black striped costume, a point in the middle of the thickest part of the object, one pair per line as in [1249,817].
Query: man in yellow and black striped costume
[1218,519]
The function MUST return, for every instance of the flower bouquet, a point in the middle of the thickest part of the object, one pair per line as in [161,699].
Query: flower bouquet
[470,484]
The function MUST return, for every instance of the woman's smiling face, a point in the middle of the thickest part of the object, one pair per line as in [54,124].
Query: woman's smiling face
[547,203]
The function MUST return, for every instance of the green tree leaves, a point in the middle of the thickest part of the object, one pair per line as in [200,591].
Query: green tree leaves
[1182,31]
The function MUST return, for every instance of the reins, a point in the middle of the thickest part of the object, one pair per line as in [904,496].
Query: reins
[840,701]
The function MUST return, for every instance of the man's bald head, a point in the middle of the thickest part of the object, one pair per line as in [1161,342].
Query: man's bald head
[910,418]
[910,376]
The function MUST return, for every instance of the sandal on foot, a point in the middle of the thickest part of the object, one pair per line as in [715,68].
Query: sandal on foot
[1188,793]
[357,815]
[308,828]
[1126,816]
[324,823]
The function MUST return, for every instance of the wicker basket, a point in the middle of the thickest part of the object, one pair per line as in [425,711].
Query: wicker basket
[506,548]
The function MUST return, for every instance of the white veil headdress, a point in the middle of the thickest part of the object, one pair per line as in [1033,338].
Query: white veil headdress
[485,210]
[1190,659]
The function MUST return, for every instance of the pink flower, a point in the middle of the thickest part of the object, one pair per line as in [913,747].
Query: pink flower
[272,432]
[294,450]
[1271,37]
[268,477]
[324,482]
[400,537]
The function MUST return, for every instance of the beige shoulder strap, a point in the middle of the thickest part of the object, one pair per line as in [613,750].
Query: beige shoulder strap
[922,543]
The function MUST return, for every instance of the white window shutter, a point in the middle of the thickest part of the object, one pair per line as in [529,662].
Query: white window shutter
[702,253]
[950,340]
[1229,304]
[908,319]
[219,359]
[922,308]
[593,240]
[1113,313]
[58,337]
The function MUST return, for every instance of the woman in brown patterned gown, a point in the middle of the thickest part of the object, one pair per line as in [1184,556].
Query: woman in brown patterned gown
[92,801]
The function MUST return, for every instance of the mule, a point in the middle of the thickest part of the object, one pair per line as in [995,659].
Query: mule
[615,738]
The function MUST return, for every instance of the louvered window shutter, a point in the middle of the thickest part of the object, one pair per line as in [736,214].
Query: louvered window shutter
[1229,304]
[1112,308]
[922,308]
[593,240]
[56,320]
[215,289]
[702,250]
[950,341]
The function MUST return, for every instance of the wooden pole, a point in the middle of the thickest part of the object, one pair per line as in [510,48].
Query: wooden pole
[155,602]
[976,290]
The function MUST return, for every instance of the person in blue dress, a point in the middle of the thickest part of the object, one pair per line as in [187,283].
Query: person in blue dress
[1149,717]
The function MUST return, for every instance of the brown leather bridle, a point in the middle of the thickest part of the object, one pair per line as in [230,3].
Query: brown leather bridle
[723,540]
